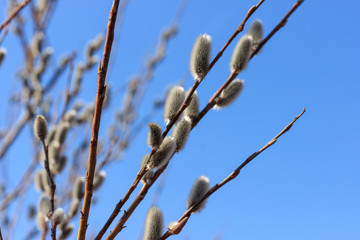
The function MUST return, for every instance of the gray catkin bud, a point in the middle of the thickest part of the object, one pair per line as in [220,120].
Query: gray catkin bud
[57,165]
[163,154]
[2,54]
[229,94]
[70,116]
[51,134]
[40,127]
[181,132]
[99,179]
[256,31]
[44,206]
[58,216]
[154,224]
[79,188]
[66,230]
[149,174]
[74,207]
[38,180]
[61,132]
[241,54]
[200,57]
[198,190]
[173,102]
[192,111]
[154,138]
[37,43]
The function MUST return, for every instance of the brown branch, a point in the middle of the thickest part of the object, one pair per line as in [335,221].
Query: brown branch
[96,121]
[14,131]
[233,175]
[52,187]
[187,101]
[1,238]
[13,14]
[211,103]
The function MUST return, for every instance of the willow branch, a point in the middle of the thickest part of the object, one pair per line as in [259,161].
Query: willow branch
[14,131]
[13,13]
[211,103]
[233,175]
[100,95]
[187,101]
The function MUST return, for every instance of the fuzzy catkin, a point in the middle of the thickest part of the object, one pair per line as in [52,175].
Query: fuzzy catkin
[181,132]
[58,216]
[154,224]
[154,138]
[149,174]
[61,132]
[200,57]
[241,54]
[173,102]
[79,188]
[192,111]
[229,94]
[256,31]
[198,190]
[99,179]
[40,127]
[44,206]
[163,154]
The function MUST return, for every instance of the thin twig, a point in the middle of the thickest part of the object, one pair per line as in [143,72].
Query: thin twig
[171,123]
[1,238]
[233,175]
[100,95]
[14,131]
[144,190]
[13,14]
[52,187]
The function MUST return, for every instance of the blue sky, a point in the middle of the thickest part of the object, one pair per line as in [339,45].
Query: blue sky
[304,187]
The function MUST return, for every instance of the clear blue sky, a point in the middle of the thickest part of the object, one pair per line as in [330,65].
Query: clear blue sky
[304,187]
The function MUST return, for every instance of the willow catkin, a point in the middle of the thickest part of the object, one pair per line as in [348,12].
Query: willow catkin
[200,57]
[154,224]
[229,94]
[65,230]
[154,138]
[99,179]
[181,132]
[163,154]
[58,216]
[192,111]
[173,102]
[74,207]
[79,188]
[149,173]
[40,127]
[61,132]
[256,31]
[241,54]
[44,206]
[198,190]
[38,180]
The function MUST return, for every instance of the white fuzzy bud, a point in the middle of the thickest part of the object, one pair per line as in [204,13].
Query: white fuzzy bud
[40,127]
[241,54]
[58,216]
[256,31]
[149,174]
[154,224]
[198,190]
[74,207]
[200,57]
[44,206]
[181,132]
[229,94]
[154,138]
[173,102]
[99,179]
[79,188]
[163,154]
[192,111]
[61,132]
[41,181]
[40,221]
[66,230]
